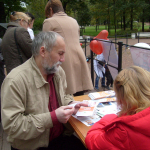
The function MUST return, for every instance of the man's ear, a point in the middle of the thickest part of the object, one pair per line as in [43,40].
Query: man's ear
[51,12]
[42,51]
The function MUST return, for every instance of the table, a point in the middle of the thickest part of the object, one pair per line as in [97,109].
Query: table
[80,128]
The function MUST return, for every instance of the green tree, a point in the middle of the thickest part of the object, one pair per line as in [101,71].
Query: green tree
[37,8]
[8,6]
[83,14]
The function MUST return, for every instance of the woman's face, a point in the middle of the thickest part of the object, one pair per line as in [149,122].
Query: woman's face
[31,24]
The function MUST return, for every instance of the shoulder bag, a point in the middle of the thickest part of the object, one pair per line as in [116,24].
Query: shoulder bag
[19,52]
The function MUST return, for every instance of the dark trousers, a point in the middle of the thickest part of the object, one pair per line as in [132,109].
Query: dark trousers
[63,143]
[79,93]
[109,78]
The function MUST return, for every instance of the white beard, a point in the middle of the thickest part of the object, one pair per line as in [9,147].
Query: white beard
[53,69]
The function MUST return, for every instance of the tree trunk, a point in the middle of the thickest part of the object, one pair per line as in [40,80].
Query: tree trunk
[2,12]
[121,22]
[143,22]
[115,16]
[96,25]
[64,5]
[108,20]
[131,25]
[124,22]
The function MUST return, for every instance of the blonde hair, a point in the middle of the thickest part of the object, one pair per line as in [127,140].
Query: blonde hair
[56,6]
[16,16]
[132,88]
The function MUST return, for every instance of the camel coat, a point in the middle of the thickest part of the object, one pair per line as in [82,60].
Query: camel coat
[75,65]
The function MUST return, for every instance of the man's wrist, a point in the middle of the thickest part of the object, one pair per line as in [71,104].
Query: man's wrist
[54,117]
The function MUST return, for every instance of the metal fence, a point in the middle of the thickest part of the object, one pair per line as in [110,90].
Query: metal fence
[122,48]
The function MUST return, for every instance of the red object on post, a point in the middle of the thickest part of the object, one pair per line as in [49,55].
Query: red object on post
[95,45]
[103,35]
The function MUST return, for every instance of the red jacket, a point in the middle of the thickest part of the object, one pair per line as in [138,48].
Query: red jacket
[120,133]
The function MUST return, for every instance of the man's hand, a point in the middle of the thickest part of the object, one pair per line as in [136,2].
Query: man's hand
[77,106]
[63,113]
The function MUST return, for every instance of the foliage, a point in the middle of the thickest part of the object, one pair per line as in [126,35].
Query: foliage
[127,31]
[113,14]
[69,5]
[37,8]
[78,9]
[38,24]
[83,15]
[8,6]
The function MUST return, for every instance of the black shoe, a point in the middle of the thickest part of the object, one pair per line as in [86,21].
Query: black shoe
[97,89]
[107,87]
[104,86]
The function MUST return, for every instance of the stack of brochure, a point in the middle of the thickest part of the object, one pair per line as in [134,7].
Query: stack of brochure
[101,103]
[103,94]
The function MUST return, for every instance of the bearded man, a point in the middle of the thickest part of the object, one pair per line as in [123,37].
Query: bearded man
[34,103]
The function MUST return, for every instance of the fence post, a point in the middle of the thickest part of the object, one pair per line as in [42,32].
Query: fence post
[120,44]
[126,40]
[85,47]
[115,40]
[92,70]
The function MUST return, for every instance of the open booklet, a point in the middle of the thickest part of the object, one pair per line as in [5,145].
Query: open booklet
[103,94]
[86,111]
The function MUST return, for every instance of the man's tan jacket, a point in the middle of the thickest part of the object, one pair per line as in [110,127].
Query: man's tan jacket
[25,97]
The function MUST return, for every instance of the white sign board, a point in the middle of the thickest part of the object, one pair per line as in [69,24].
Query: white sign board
[111,57]
[141,57]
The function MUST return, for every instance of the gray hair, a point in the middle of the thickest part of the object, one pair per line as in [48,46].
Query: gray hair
[46,39]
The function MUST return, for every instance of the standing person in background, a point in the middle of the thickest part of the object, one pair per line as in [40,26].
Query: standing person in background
[129,129]
[75,65]
[99,63]
[31,22]
[2,74]
[109,78]
[16,43]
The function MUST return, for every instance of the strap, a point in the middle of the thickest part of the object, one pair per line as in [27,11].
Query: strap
[18,46]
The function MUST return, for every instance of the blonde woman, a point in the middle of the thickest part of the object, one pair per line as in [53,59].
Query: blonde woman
[16,43]
[130,128]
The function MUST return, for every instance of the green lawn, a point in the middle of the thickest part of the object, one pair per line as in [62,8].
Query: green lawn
[91,30]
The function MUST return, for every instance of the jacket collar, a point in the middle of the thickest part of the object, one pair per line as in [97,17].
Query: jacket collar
[13,24]
[38,78]
[59,14]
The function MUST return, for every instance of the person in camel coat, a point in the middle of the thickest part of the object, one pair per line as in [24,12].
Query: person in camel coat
[75,65]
